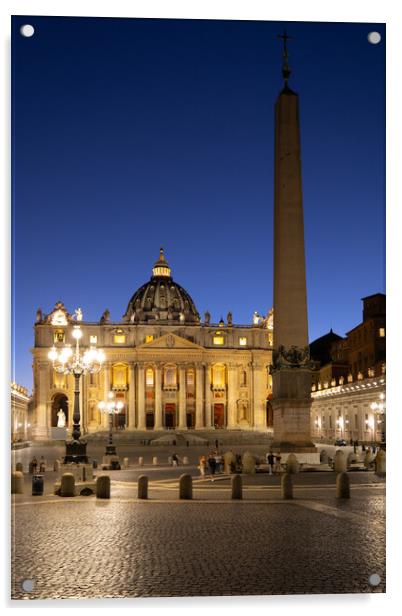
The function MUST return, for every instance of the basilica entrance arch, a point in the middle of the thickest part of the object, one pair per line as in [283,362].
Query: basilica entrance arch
[59,401]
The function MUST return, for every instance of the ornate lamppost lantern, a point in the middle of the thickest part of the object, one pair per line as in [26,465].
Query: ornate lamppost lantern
[76,362]
[111,407]
[379,410]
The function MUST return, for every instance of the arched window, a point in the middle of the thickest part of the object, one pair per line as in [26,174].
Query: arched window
[218,376]
[190,377]
[170,376]
[149,377]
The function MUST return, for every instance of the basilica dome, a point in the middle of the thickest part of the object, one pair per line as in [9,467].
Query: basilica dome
[161,299]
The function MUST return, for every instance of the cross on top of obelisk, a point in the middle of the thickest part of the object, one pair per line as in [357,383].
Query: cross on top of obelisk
[285,66]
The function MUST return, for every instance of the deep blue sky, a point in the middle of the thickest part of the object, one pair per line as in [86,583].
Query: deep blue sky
[129,134]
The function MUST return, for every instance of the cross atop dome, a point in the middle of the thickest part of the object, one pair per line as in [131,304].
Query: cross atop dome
[161,267]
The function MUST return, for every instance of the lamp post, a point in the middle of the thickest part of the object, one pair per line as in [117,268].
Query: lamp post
[69,361]
[111,407]
[378,409]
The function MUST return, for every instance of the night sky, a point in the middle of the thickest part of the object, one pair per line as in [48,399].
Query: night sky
[131,134]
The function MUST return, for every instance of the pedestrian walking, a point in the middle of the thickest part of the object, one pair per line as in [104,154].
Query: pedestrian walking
[42,465]
[175,460]
[212,465]
[202,466]
[34,465]
[270,461]
[278,467]
[218,462]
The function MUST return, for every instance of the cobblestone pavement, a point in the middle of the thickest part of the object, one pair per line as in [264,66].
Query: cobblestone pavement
[83,547]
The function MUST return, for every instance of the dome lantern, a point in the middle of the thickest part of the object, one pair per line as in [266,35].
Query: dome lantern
[161,267]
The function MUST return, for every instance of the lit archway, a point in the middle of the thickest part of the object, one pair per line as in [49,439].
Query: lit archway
[59,401]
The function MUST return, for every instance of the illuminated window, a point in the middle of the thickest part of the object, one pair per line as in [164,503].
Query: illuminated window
[149,377]
[170,376]
[59,335]
[218,376]
[149,338]
[190,377]
[119,337]
[243,341]
[93,339]
[381,332]
[219,340]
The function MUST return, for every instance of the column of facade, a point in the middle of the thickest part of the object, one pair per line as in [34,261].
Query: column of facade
[158,398]
[259,389]
[209,423]
[232,396]
[141,420]
[131,398]
[106,390]
[182,398]
[199,397]
[42,421]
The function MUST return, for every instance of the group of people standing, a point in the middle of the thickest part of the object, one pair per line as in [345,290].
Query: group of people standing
[36,466]
[213,464]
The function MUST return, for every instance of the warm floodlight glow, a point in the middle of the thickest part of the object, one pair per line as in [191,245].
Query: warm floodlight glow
[77,333]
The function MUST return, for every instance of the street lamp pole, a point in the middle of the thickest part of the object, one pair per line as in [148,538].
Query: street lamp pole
[66,361]
[111,407]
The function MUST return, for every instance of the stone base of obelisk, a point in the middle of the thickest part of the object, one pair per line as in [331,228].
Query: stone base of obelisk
[291,407]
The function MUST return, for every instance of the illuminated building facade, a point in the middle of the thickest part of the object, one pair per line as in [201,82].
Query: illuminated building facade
[20,417]
[170,369]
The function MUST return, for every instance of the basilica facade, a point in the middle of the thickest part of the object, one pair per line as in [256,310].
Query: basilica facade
[170,368]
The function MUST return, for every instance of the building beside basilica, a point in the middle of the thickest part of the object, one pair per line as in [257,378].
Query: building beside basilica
[171,369]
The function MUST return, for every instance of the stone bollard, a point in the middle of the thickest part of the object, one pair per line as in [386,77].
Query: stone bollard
[155,460]
[103,486]
[342,485]
[126,462]
[141,461]
[379,462]
[186,487]
[185,460]
[292,464]
[143,486]
[287,486]
[67,486]
[368,458]
[340,462]
[248,463]
[237,487]
[19,467]
[56,466]
[228,460]
[323,457]
[17,482]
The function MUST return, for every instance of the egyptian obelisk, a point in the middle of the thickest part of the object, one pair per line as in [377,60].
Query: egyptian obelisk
[291,372]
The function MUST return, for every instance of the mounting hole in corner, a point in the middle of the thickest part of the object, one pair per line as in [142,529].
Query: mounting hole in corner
[374,579]
[28,585]
[27,30]
[374,38]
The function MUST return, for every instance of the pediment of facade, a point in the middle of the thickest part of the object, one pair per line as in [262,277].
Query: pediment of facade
[171,341]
